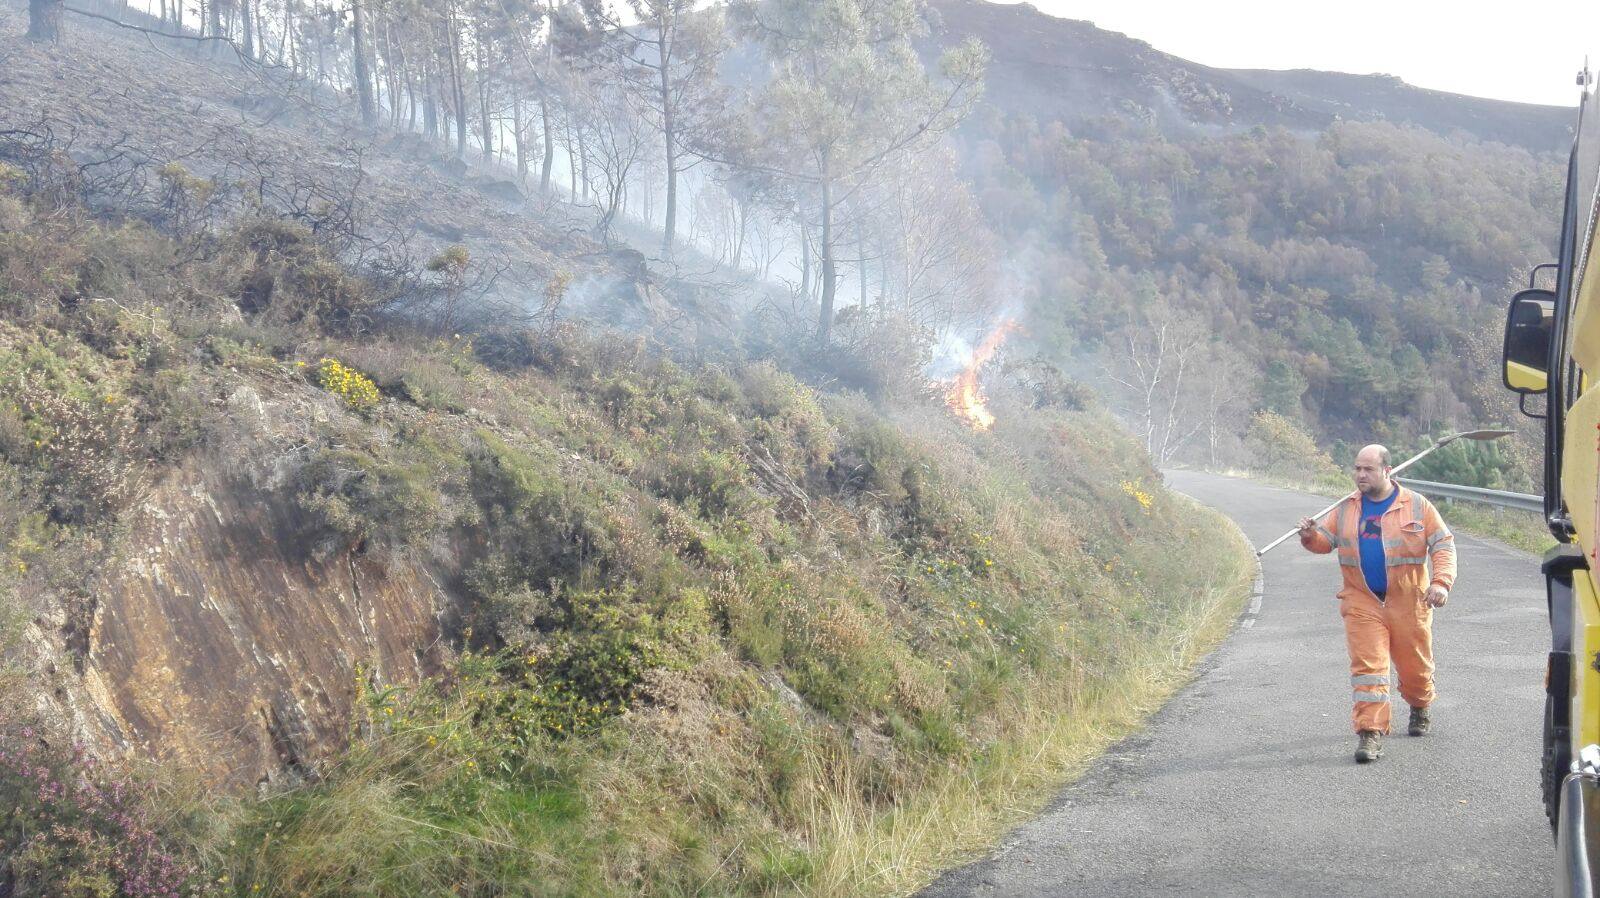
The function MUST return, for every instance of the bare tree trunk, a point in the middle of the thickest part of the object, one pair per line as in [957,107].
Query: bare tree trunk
[742,210]
[391,72]
[459,87]
[583,161]
[44,20]
[805,258]
[522,137]
[549,146]
[668,131]
[411,99]
[829,272]
[283,39]
[430,103]
[246,21]
[369,109]
[480,41]
[322,62]
[572,164]
[215,18]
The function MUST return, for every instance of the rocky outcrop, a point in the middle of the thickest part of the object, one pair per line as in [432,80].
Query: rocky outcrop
[218,636]
[219,640]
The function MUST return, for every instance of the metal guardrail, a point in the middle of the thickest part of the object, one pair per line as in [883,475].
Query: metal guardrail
[1500,498]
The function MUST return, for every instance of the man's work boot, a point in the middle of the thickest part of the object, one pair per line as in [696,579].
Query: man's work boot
[1420,723]
[1370,748]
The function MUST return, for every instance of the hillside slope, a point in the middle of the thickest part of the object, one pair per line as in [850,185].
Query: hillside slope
[394,200]
[1330,251]
[1066,70]
[588,617]
[515,610]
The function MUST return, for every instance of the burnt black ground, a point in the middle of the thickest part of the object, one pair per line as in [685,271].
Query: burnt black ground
[1245,783]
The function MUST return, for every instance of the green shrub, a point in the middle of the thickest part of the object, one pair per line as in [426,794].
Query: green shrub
[89,454]
[540,527]
[363,502]
[1280,447]
[871,457]
[716,483]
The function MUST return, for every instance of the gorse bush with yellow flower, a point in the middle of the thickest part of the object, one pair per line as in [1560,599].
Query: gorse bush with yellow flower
[1135,491]
[353,388]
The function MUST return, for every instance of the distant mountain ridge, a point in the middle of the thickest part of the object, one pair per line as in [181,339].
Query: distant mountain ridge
[1071,71]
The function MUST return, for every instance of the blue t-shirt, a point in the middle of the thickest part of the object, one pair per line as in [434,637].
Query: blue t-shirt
[1371,532]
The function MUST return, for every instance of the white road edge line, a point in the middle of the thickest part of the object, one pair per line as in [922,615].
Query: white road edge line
[1258,591]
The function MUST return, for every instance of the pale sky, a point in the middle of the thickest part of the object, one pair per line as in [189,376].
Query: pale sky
[1527,50]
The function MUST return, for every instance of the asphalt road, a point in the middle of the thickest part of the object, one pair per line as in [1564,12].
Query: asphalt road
[1245,784]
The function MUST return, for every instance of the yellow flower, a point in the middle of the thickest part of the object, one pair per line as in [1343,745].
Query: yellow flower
[356,389]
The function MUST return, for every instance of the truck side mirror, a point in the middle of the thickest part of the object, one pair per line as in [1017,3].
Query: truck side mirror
[1530,323]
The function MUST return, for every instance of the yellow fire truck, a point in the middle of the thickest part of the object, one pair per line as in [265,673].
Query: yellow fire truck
[1552,349]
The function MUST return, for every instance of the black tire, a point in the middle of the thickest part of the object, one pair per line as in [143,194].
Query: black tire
[1555,761]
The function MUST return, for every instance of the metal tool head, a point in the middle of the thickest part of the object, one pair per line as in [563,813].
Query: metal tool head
[1480,435]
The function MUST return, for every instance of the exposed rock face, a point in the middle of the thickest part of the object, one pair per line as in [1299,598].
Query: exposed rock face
[218,641]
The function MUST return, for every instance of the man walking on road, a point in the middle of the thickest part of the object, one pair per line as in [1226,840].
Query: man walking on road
[1386,536]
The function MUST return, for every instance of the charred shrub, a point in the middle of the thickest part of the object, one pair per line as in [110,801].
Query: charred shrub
[291,278]
[880,355]
[1049,387]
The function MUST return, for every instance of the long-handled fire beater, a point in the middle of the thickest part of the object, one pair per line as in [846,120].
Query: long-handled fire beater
[1440,443]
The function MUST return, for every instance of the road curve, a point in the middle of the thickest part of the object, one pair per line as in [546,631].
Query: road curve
[1245,784]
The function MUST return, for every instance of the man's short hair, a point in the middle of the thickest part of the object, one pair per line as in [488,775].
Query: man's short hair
[1383,456]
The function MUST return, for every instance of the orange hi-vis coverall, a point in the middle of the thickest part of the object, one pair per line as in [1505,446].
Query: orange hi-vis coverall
[1400,626]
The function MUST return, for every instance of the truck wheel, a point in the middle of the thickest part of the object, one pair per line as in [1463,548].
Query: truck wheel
[1555,761]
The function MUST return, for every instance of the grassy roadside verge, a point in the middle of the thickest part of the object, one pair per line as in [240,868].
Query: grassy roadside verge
[1517,529]
[1050,742]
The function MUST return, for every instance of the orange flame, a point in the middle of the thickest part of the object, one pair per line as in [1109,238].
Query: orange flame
[964,396]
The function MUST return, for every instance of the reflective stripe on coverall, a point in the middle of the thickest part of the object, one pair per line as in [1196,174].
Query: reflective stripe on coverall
[1399,628]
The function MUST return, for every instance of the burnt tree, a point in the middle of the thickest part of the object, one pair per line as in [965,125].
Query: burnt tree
[44,20]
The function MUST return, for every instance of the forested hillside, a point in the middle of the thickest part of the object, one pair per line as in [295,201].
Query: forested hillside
[1353,280]
[1333,249]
